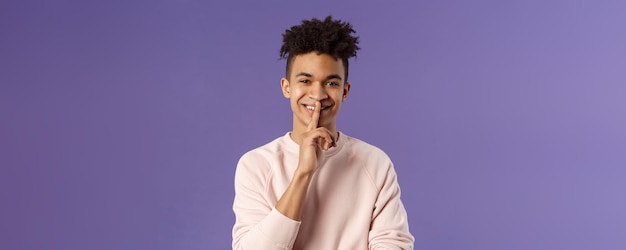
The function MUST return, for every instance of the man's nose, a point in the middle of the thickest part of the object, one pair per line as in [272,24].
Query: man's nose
[318,92]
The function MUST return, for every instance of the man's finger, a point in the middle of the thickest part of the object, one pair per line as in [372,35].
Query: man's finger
[316,116]
[327,143]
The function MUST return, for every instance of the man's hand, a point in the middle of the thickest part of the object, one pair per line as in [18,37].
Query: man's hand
[313,141]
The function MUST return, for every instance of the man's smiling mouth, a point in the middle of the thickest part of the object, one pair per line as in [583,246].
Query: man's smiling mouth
[312,108]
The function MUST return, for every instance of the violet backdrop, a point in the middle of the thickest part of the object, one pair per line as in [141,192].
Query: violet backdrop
[122,121]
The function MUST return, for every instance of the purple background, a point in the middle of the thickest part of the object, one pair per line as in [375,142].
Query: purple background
[122,121]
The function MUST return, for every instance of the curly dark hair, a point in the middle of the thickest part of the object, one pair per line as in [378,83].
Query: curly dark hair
[332,37]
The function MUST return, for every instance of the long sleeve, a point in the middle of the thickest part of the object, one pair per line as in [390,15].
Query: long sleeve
[258,225]
[389,228]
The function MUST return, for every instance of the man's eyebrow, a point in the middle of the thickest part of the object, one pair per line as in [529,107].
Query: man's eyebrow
[304,74]
[333,76]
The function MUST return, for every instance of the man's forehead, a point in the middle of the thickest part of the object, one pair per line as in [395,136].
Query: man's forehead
[317,65]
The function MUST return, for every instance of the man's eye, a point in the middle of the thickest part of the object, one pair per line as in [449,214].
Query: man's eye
[333,83]
[305,81]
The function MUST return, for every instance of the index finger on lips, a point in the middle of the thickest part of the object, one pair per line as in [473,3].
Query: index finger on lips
[316,116]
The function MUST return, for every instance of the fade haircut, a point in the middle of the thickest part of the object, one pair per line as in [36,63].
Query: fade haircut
[332,37]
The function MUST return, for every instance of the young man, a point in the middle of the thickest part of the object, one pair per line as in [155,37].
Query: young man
[315,187]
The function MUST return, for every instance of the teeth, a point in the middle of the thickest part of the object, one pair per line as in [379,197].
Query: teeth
[313,107]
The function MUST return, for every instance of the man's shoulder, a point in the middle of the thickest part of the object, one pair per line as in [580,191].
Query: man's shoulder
[369,156]
[270,149]
[362,147]
[259,161]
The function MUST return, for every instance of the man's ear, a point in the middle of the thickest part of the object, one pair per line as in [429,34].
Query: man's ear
[284,85]
[346,89]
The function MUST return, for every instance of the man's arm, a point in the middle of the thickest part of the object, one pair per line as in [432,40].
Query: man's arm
[257,224]
[390,226]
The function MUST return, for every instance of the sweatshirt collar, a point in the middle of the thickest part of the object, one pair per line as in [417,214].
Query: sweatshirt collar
[341,141]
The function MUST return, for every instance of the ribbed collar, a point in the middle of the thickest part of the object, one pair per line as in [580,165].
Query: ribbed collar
[294,147]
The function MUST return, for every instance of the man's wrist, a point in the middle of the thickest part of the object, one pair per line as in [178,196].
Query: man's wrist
[303,174]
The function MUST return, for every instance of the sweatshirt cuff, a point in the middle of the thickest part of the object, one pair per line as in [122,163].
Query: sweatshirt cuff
[280,229]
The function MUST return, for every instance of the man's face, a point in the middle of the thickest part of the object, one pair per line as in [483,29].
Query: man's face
[314,78]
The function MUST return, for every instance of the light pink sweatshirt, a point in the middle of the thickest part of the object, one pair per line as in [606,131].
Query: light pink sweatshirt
[353,200]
